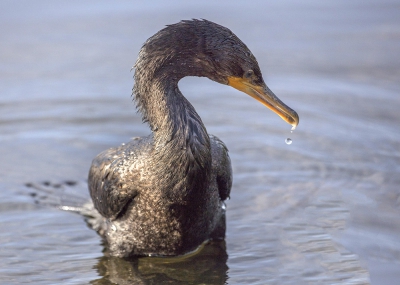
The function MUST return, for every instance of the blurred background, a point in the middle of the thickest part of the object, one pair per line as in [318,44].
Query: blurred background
[323,210]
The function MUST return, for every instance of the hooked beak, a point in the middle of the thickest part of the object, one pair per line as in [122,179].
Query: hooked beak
[266,97]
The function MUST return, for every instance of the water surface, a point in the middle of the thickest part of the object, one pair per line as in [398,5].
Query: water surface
[323,210]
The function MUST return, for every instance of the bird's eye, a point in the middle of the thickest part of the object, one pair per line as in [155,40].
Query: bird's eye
[249,73]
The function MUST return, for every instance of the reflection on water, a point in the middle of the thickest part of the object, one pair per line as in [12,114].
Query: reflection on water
[323,210]
[208,266]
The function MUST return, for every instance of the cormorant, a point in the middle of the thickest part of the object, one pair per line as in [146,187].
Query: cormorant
[164,194]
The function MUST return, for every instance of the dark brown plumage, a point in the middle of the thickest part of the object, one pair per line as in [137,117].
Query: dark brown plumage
[164,194]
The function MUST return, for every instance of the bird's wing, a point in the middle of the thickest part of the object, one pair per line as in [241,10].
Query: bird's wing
[114,177]
[221,164]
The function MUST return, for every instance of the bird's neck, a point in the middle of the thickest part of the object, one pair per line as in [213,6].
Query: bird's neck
[181,142]
[171,116]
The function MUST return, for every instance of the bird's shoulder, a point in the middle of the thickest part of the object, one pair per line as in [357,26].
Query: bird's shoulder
[116,174]
[221,166]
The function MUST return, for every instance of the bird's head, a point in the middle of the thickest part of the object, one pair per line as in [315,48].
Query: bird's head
[231,62]
[203,48]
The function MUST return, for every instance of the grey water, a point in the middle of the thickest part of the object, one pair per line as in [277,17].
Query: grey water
[322,210]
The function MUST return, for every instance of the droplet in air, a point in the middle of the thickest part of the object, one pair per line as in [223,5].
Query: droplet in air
[288,141]
[113,227]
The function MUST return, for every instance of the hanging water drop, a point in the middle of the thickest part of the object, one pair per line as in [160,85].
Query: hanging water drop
[223,206]
[288,141]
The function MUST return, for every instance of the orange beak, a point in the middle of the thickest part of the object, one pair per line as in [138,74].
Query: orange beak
[266,97]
